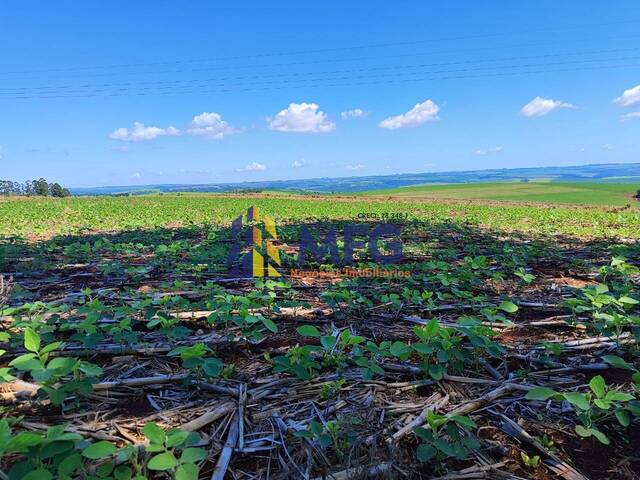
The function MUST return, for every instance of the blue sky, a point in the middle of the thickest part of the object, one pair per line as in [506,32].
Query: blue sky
[282,89]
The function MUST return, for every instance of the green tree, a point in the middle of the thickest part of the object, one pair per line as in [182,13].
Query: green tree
[55,190]
[41,187]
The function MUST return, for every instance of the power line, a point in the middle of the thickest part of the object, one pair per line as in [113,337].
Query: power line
[325,50]
[341,60]
[233,88]
[172,83]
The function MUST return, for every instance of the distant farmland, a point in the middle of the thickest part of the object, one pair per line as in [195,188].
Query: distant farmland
[612,194]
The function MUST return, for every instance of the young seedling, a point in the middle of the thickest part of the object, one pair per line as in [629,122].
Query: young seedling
[593,407]
[446,437]
[173,451]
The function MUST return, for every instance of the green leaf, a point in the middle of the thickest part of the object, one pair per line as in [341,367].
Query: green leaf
[618,362]
[599,435]
[38,474]
[270,324]
[123,473]
[444,447]
[98,450]
[316,428]
[31,340]
[308,331]
[623,417]
[583,431]
[601,288]
[22,441]
[431,328]
[104,469]
[598,386]
[154,433]
[578,400]
[188,471]
[90,369]
[540,393]
[212,367]
[424,434]
[400,349]
[27,361]
[425,452]
[5,376]
[615,396]
[176,437]
[463,421]
[193,455]
[436,372]
[628,300]
[602,403]
[423,348]
[508,307]
[162,461]
[328,341]
[51,347]
[69,464]
[325,440]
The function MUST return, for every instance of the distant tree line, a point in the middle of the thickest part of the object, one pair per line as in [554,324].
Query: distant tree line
[247,190]
[38,188]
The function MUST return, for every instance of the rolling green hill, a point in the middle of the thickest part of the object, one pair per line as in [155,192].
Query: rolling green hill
[613,194]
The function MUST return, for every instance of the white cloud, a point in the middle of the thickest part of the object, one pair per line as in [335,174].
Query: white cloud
[539,107]
[355,167]
[140,133]
[298,163]
[210,125]
[489,151]
[136,175]
[607,146]
[301,118]
[426,111]
[355,113]
[252,167]
[629,97]
[630,116]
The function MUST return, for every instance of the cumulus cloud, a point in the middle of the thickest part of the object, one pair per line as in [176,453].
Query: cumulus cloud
[298,163]
[489,151]
[252,167]
[301,118]
[210,125]
[140,132]
[355,167]
[607,146]
[426,111]
[629,97]
[355,113]
[539,107]
[136,175]
[630,116]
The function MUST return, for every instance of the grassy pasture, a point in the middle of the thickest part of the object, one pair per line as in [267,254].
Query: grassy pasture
[606,194]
